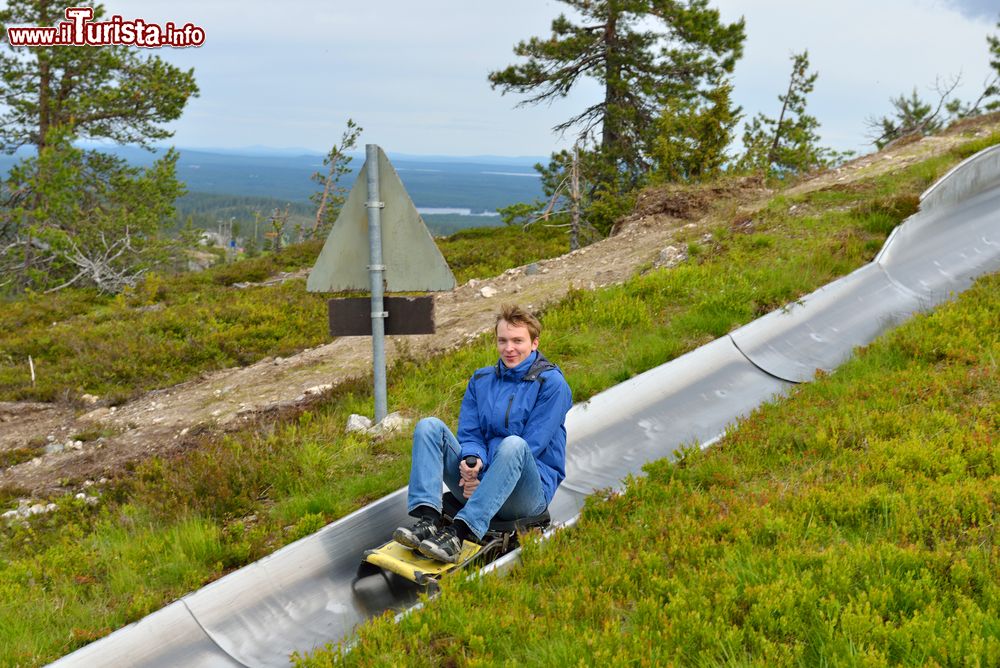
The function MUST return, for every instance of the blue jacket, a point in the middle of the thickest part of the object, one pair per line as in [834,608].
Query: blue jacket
[531,401]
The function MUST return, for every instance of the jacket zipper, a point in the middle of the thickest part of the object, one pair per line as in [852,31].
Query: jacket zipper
[506,418]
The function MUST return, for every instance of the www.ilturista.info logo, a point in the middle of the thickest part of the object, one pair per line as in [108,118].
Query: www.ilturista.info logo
[79,30]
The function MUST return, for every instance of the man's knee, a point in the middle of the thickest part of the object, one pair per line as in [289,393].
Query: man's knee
[512,447]
[428,425]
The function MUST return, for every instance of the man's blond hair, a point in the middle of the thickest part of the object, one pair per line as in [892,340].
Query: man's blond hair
[514,315]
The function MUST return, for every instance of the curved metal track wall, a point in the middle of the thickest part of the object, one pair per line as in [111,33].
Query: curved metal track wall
[302,597]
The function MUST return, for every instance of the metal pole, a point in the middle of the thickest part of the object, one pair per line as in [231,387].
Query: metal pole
[376,270]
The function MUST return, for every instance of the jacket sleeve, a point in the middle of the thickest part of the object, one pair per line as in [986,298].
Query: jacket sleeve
[548,414]
[470,435]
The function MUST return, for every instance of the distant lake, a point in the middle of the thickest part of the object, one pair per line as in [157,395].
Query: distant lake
[437,210]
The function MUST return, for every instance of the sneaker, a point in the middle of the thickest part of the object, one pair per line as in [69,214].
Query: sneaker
[412,536]
[446,546]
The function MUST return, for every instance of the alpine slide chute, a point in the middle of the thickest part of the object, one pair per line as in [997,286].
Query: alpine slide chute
[302,596]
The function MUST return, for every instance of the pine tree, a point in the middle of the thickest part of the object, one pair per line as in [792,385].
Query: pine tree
[330,199]
[914,117]
[575,196]
[992,92]
[645,53]
[86,218]
[911,116]
[75,217]
[110,92]
[692,137]
[789,143]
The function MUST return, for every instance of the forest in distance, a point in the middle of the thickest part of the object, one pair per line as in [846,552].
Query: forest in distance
[209,210]
[245,186]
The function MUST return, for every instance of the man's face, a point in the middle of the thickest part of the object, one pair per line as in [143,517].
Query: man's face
[514,343]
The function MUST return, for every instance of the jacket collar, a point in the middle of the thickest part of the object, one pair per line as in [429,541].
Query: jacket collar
[518,372]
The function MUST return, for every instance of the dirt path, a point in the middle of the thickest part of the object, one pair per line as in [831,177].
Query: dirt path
[166,420]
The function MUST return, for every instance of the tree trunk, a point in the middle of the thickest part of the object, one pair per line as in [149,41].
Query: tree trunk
[322,203]
[610,133]
[44,84]
[327,187]
[44,79]
[773,153]
[574,227]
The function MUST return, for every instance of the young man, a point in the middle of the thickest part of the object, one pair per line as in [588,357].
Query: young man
[512,421]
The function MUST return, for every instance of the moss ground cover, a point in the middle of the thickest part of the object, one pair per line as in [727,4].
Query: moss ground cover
[854,523]
[170,329]
[175,524]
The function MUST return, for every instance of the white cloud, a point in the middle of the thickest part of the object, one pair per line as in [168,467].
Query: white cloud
[414,74]
[864,53]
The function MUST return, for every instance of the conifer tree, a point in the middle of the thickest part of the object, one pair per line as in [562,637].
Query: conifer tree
[914,117]
[108,92]
[692,137]
[70,216]
[85,218]
[330,199]
[574,197]
[911,116]
[992,91]
[644,53]
[788,144]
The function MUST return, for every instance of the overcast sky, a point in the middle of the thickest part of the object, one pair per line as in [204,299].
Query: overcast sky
[413,74]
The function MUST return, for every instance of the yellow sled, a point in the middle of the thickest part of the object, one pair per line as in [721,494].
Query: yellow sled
[414,566]
[500,539]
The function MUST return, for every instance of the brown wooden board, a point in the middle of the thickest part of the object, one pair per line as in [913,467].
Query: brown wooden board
[352,316]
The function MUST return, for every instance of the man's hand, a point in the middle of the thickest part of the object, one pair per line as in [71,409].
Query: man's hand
[469,477]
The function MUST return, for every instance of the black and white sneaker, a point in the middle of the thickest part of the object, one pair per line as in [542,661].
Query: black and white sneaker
[446,546]
[413,536]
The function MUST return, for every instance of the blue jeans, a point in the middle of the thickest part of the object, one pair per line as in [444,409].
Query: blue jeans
[509,489]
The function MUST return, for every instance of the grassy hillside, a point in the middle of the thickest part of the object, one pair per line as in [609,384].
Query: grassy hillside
[170,329]
[854,523]
[172,525]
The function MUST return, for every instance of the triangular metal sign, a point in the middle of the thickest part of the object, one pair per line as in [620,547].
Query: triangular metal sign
[412,260]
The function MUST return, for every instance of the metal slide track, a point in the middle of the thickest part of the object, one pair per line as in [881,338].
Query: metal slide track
[301,597]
